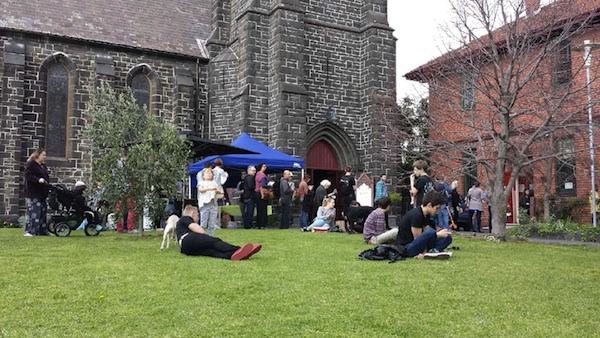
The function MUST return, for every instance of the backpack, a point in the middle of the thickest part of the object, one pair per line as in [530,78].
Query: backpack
[382,252]
[345,187]
[277,189]
[439,187]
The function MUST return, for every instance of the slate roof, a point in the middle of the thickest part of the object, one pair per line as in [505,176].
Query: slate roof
[164,25]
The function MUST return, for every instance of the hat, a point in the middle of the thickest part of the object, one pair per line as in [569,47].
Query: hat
[79,186]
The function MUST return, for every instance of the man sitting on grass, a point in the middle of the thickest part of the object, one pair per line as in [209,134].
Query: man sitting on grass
[415,232]
[194,242]
[374,230]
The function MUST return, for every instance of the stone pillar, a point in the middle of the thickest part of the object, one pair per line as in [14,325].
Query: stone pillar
[11,118]
[379,51]
[287,93]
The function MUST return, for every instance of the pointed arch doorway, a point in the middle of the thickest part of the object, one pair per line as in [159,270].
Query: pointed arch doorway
[322,163]
[330,151]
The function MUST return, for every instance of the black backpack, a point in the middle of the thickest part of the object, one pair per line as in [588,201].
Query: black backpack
[345,187]
[277,189]
[382,252]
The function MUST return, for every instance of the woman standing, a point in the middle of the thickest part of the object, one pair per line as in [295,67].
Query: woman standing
[36,192]
[475,206]
[261,181]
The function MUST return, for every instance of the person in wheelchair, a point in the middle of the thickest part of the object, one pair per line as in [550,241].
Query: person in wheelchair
[80,205]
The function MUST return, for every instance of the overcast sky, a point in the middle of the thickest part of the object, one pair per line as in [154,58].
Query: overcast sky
[416,25]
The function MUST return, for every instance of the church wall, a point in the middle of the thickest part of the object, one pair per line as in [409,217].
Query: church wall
[23,96]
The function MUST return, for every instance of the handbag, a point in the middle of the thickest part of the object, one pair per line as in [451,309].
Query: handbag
[266,193]
[219,194]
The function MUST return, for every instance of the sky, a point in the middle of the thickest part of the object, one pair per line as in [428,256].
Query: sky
[417,27]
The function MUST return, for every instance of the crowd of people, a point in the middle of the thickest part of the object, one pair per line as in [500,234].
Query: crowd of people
[435,207]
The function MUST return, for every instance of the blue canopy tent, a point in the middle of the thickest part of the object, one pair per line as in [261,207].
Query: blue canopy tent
[274,159]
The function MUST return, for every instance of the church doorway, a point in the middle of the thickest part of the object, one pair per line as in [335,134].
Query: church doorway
[322,163]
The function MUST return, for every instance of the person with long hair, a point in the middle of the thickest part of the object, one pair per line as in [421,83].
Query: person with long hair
[325,215]
[261,181]
[36,192]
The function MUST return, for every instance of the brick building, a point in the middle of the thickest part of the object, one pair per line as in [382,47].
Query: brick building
[298,75]
[464,109]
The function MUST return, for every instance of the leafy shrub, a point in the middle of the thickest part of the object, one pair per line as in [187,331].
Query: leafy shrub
[554,227]
[9,224]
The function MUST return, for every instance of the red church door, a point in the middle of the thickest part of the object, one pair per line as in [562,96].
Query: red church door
[321,163]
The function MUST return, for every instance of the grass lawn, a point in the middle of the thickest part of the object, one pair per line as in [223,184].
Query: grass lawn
[299,285]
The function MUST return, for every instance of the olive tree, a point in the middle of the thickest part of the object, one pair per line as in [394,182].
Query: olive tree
[136,156]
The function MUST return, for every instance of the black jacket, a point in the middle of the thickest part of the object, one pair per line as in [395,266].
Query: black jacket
[33,172]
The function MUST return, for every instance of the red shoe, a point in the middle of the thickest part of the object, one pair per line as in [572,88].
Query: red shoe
[243,252]
[256,248]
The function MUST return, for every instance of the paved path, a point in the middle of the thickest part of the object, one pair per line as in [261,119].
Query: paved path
[530,239]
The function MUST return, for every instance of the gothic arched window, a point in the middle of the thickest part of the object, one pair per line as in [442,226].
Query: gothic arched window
[142,89]
[57,103]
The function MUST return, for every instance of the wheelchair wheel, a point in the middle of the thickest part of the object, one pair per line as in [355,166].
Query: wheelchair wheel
[52,226]
[62,229]
[91,230]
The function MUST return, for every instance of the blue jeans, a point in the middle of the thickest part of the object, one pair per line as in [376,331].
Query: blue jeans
[319,223]
[286,204]
[441,219]
[426,241]
[248,213]
[303,219]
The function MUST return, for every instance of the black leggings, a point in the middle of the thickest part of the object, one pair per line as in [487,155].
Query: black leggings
[195,244]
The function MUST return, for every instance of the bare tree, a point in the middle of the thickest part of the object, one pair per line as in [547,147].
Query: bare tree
[513,83]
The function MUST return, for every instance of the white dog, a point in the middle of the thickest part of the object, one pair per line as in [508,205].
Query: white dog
[169,230]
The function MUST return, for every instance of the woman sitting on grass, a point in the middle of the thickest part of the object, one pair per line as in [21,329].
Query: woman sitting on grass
[325,215]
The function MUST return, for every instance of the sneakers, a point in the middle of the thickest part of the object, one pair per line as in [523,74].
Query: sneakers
[27,234]
[256,248]
[134,231]
[243,252]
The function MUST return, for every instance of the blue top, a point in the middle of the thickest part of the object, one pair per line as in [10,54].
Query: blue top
[380,190]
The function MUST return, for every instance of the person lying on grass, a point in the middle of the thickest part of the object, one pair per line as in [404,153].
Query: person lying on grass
[194,242]
[374,230]
[415,232]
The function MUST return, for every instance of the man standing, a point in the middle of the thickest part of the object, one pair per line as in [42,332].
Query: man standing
[248,196]
[348,186]
[415,232]
[305,195]
[287,191]
[420,182]
[380,188]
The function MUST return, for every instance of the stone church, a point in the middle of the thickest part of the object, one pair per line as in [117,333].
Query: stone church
[299,75]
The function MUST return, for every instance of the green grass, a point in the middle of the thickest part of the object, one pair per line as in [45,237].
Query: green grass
[299,285]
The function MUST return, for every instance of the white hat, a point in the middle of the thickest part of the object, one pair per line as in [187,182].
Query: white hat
[79,184]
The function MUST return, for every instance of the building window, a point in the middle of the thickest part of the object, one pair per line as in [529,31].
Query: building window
[57,102]
[469,169]
[565,167]
[468,92]
[561,69]
[545,2]
[141,88]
